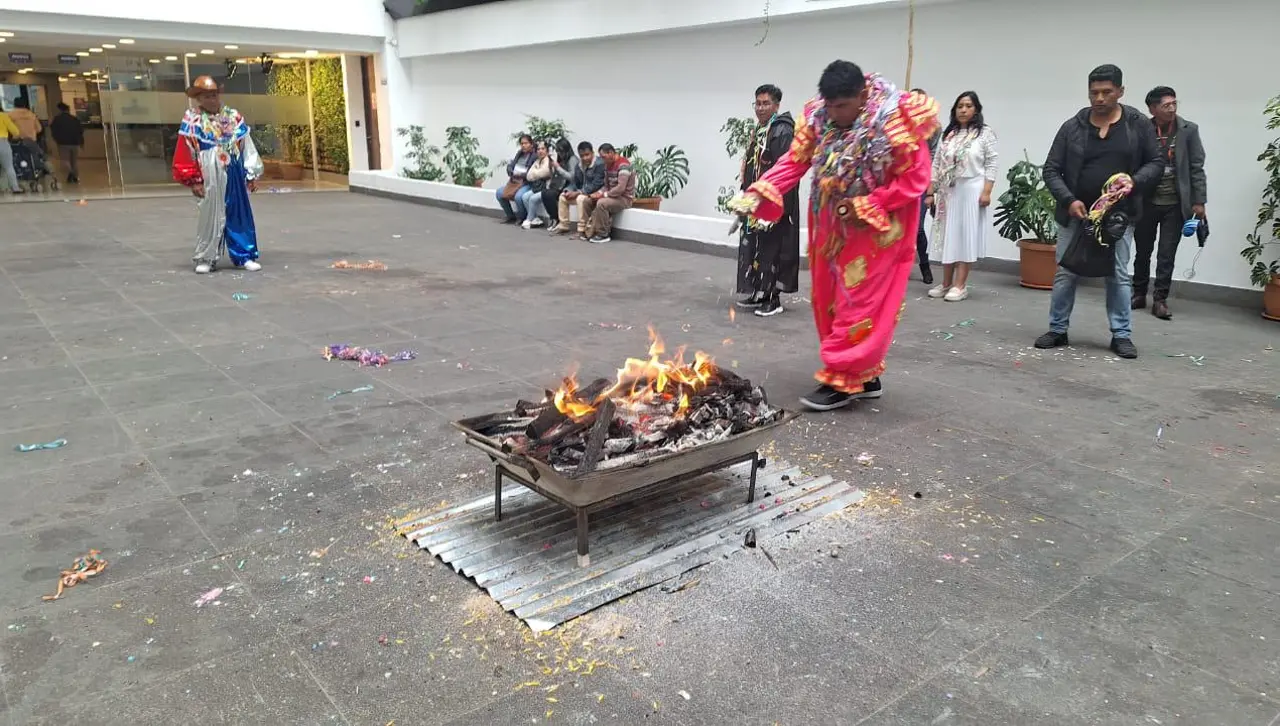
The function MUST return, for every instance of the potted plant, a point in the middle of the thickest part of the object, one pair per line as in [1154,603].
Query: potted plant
[737,133]
[422,155]
[1265,272]
[1025,215]
[661,178]
[293,147]
[467,166]
[541,129]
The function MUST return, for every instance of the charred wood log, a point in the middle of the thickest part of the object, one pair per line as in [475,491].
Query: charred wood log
[595,439]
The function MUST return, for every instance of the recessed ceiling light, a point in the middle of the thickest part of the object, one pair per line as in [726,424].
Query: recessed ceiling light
[190,55]
[154,60]
[83,54]
[3,40]
[206,51]
[231,47]
[109,46]
[72,75]
[5,34]
[61,79]
[126,41]
[137,78]
[95,50]
[313,52]
[171,57]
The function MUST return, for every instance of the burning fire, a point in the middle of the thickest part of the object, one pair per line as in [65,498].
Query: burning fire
[643,383]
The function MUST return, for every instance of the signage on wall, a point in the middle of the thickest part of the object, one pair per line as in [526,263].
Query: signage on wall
[69,60]
[19,58]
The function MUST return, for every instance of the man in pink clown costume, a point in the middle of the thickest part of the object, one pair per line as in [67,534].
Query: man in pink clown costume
[217,160]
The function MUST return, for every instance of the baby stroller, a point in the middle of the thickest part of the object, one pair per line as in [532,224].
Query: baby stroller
[31,165]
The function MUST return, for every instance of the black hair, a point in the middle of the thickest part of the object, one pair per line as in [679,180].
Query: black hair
[1157,94]
[1107,73]
[976,123]
[774,92]
[525,136]
[63,106]
[21,102]
[841,79]
[564,148]
[584,146]
[607,149]
[919,91]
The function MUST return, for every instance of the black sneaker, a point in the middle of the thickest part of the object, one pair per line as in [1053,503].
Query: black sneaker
[1124,348]
[870,389]
[755,301]
[769,308]
[1052,340]
[601,239]
[926,275]
[825,398]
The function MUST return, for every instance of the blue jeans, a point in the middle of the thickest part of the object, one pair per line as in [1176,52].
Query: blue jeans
[1119,286]
[531,202]
[519,210]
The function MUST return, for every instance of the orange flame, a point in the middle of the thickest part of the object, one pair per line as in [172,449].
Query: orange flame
[644,383]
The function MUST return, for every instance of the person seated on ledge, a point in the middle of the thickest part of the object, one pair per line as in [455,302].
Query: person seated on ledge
[587,181]
[517,169]
[564,165]
[618,193]
[530,196]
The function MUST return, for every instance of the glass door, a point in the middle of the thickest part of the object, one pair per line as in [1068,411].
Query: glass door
[142,100]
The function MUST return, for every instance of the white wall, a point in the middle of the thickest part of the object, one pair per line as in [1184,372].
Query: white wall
[1022,56]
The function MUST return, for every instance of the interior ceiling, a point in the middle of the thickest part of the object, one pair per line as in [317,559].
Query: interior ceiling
[46,47]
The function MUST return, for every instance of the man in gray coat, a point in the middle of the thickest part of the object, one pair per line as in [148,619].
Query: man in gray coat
[1180,195]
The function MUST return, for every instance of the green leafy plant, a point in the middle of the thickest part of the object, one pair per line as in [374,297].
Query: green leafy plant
[541,129]
[467,165]
[328,108]
[422,155]
[1266,233]
[737,138]
[663,176]
[1027,207]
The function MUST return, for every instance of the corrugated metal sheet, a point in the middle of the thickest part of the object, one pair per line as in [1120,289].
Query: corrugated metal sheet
[528,561]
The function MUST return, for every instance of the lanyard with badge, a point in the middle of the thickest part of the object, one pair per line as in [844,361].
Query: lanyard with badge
[1167,140]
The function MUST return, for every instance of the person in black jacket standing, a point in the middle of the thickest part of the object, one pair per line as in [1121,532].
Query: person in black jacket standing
[1179,197]
[1103,140]
[68,134]
[769,259]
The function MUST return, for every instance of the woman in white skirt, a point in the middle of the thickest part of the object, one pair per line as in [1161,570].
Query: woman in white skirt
[964,172]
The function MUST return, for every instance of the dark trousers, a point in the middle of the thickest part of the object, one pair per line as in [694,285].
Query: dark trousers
[551,203]
[1164,224]
[922,240]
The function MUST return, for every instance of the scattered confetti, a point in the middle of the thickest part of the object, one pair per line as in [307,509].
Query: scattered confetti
[370,266]
[240,296]
[209,597]
[359,389]
[55,444]
[365,356]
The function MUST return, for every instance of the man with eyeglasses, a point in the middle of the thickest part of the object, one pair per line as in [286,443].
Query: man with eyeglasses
[769,258]
[1178,198]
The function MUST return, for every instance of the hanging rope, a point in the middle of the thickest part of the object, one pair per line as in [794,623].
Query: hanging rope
[911,38]
[766,24]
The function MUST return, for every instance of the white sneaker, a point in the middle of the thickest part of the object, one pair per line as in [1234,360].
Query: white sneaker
[537,222]
[956,294]
[937,291]
[526,224]
[252,266]
[202,268]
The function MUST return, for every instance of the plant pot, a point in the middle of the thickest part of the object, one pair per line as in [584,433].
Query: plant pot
[1038,263]
[291,170]
[270,169]
[649,203]
[479,183]
[1271,299]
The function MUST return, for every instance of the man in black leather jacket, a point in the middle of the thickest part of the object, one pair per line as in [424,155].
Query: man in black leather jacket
[1105,139]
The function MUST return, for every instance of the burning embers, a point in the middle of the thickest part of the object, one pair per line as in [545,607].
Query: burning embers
[653,407]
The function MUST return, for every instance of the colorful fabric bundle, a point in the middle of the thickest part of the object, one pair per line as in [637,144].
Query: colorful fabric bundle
[366,356]
[81,569]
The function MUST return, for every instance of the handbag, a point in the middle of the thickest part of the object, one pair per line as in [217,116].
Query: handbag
[1086,256]
[513,186]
